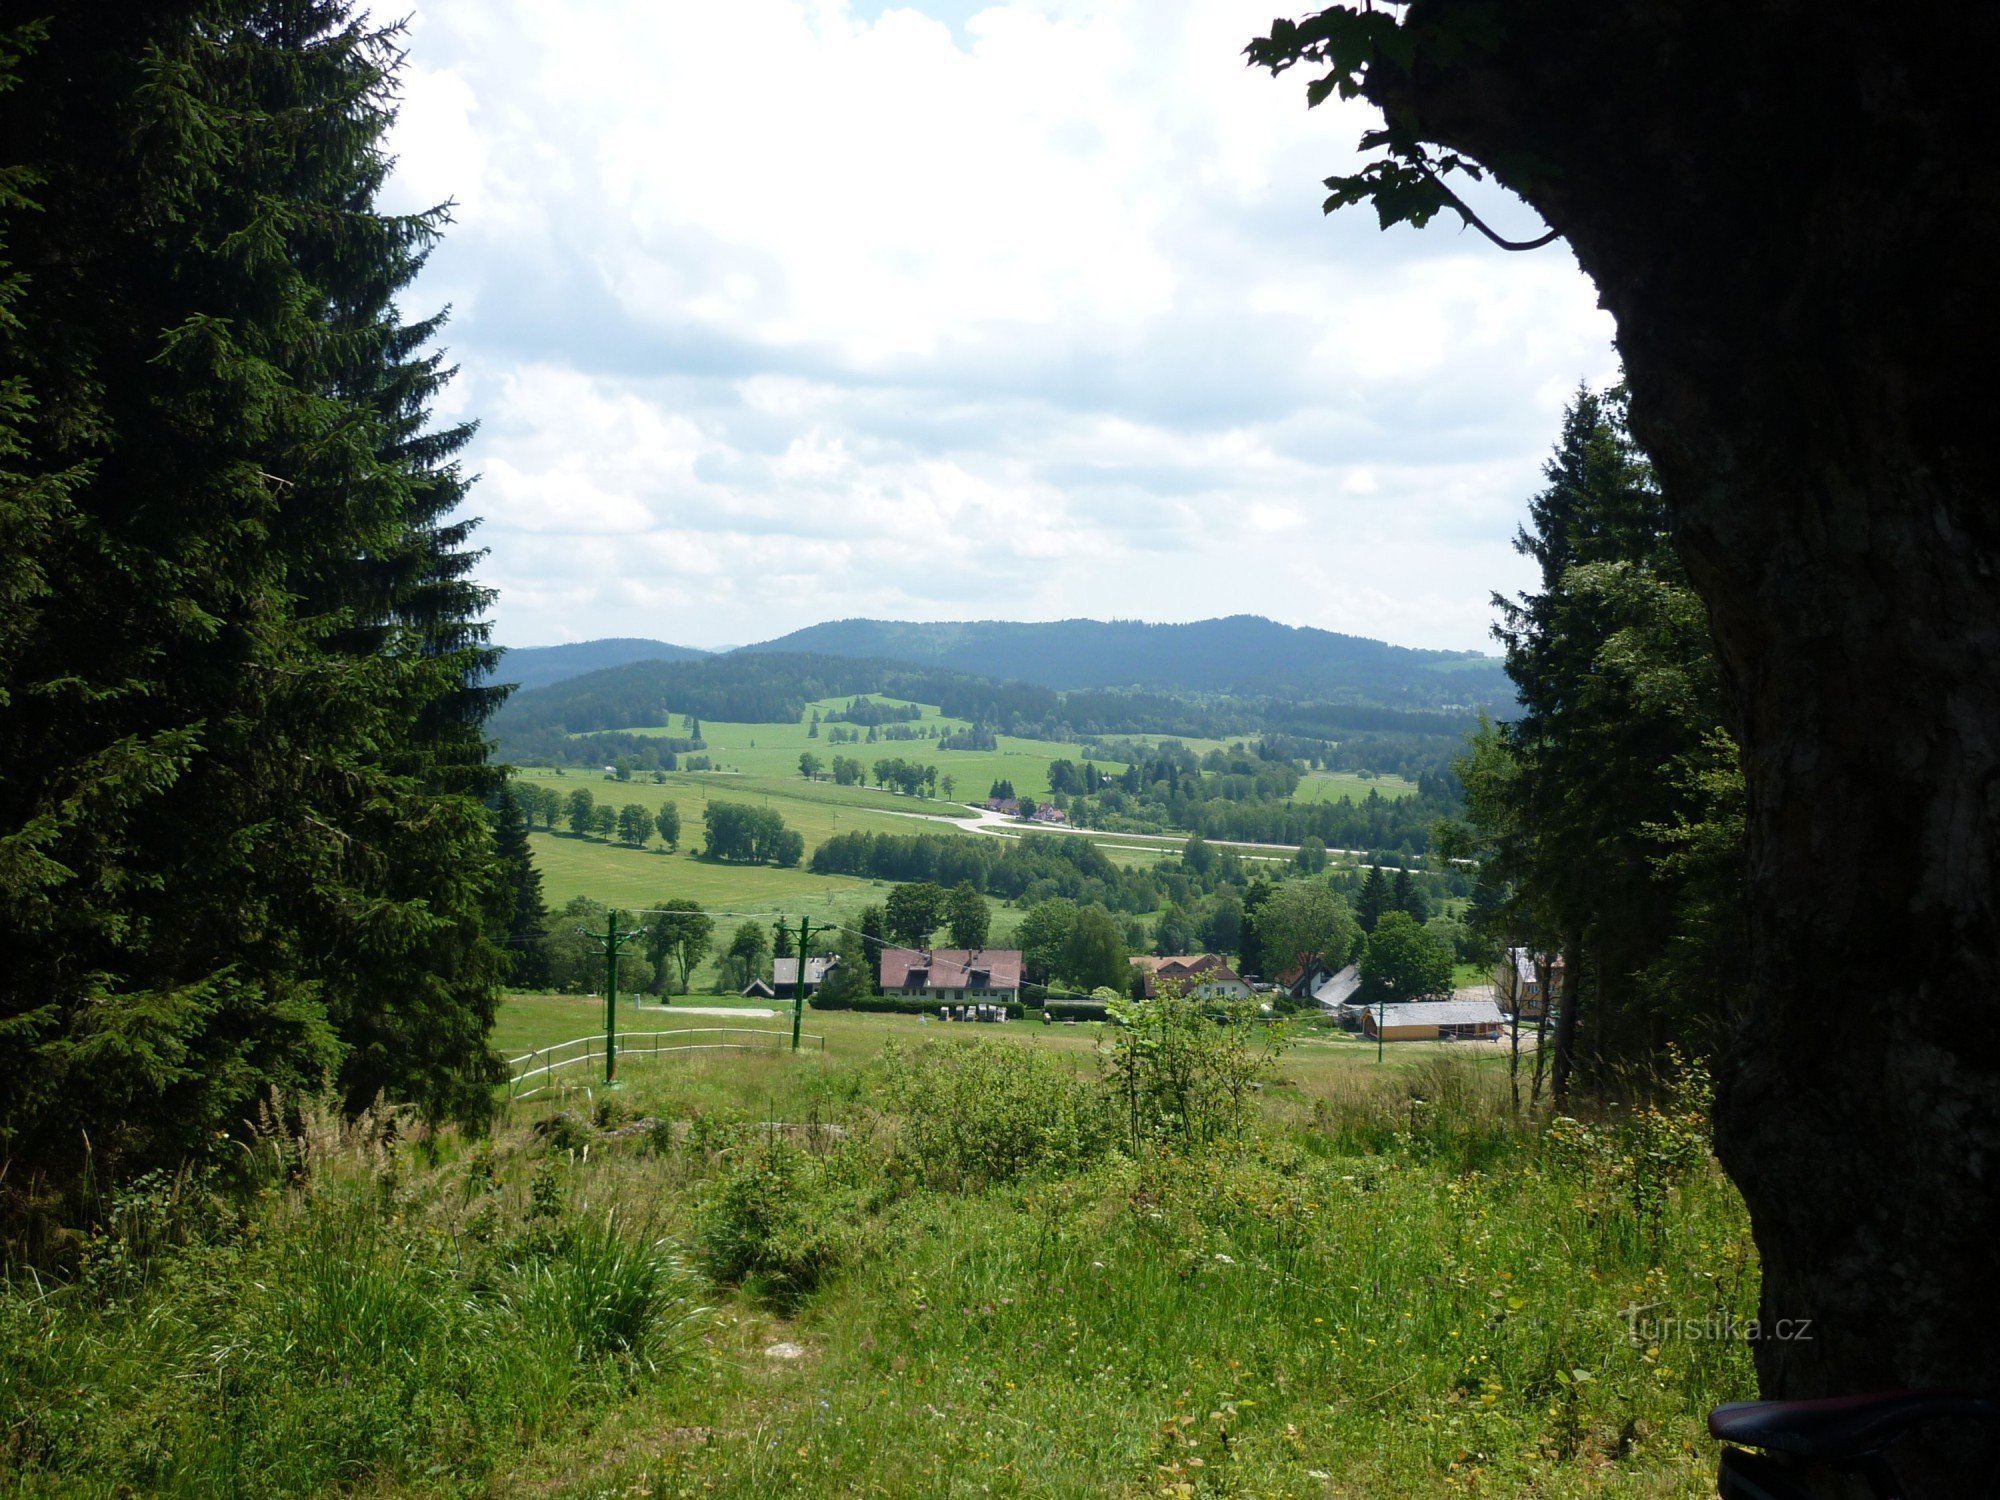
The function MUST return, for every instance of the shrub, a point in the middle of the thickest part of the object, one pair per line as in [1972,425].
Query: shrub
[565,1131]
[973,1113]
[774,1226]
[1184,1070]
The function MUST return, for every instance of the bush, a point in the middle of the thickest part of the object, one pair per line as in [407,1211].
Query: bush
[975,1114]
[774,1226]
[1184,1075]
[1076,1010]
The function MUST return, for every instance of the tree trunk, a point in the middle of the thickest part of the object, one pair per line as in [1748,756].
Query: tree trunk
[1790,211]
[1563,1065]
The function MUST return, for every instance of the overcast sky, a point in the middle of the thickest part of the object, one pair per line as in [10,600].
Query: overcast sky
[780,311]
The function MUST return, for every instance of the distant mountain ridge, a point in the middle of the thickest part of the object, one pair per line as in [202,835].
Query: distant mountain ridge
[1239,653]
[537,666]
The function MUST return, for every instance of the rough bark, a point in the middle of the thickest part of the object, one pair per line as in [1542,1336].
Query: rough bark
[1790,211]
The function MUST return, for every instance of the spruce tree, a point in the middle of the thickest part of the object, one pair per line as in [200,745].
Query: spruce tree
[525,922]
[244,849]
[1374,899]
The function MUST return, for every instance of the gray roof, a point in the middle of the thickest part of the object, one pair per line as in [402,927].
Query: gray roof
[1439,1013]
[1336,989]
[786,970]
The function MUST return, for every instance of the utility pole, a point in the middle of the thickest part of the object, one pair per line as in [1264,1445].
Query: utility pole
[799,989]
[613,940]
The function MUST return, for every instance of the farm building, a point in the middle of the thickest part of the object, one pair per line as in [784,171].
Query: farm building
[1201,975]
[1433,1020]
[785,973]
[1320,982]
[952,974]
[1010,807]
[1518,979]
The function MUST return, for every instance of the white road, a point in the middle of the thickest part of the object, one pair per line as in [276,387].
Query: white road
[985,820]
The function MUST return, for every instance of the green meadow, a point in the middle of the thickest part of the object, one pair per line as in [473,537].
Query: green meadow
[1331,786]
[614,873]
[966,1261]
[773,750]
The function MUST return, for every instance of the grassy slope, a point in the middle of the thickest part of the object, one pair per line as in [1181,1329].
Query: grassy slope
[615,873]
[635,878]
[774,749]
[1331,786]
[1377,1296]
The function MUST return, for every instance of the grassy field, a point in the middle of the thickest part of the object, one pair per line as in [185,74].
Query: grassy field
[1331,786]
[773,750]
[1319,1056]
[617,874]
[956,1271]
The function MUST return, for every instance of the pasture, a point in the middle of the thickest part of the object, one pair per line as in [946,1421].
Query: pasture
[965,1261]
[773,750]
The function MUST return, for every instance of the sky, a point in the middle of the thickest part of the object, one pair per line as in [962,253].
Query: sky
[781,311]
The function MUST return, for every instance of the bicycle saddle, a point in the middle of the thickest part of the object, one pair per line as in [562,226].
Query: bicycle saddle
[1839,1427]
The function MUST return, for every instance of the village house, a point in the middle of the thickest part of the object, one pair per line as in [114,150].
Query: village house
[1010,807]
[1317,980]
[1432,1020]
[1517,982]
[952,974]
[785,974]
[1203,976]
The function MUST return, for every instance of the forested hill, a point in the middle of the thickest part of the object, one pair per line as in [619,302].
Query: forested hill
[537,666]
[761,687]
[1239,654]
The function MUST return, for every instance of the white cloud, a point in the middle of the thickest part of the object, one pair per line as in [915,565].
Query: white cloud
[781,310]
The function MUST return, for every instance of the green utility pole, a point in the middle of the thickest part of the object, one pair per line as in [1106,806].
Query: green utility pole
[613,940]
[799,989]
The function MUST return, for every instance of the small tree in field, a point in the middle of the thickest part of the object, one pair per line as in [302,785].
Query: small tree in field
[1184,1072]
[668,821]
[635,825]
[579,810]
[748,950]
[679,933]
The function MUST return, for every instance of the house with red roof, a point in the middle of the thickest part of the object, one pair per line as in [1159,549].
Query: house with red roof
[1204,976]
[953,975]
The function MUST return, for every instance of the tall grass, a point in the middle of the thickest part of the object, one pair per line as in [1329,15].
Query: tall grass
[1385,1285]
[371,1326]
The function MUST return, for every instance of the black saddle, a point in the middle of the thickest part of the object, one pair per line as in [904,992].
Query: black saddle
[1840,1428]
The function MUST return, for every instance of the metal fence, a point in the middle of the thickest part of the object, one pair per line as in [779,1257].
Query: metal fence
[543,1063]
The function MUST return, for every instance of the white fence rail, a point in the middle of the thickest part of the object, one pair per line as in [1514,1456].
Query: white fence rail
[543,1063]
